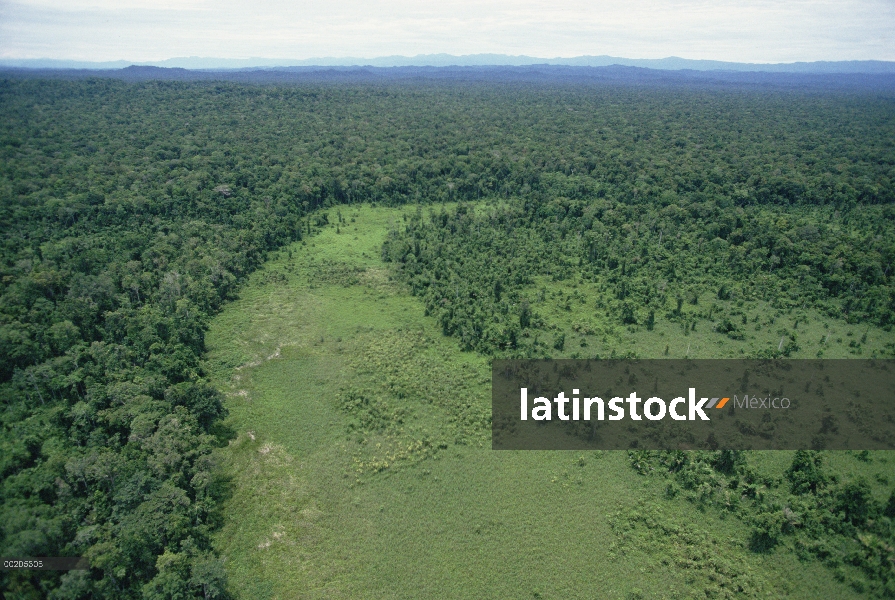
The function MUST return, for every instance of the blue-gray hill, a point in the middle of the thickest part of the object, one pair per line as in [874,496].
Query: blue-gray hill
[672,63]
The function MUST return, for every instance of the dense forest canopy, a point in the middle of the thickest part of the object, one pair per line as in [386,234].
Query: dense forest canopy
[647,259]
[131,211]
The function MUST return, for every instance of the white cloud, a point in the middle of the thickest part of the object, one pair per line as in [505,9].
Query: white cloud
[750,30]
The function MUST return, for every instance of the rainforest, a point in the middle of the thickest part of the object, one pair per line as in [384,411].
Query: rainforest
[246,329]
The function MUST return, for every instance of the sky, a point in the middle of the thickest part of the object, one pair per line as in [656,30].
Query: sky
[760,31]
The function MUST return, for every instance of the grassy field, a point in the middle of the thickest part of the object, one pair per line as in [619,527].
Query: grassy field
[361,466]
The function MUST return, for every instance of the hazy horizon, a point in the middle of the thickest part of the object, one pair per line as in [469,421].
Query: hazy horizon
[431,59]
[144,31]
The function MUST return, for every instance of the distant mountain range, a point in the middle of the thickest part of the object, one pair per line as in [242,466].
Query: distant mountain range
[445,60]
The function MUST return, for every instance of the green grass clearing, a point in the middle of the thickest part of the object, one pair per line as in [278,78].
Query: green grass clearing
[358,471]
